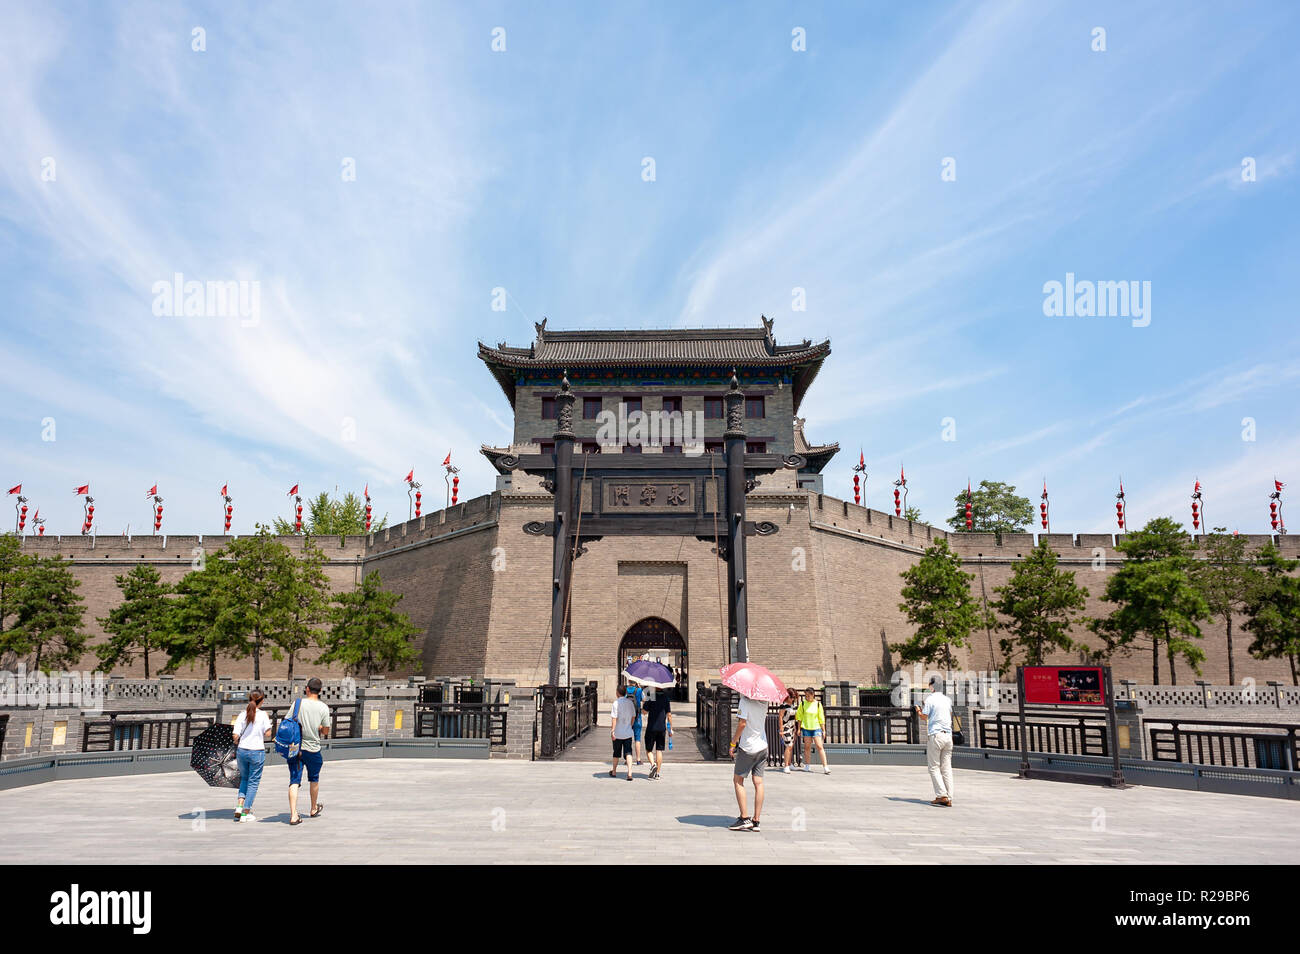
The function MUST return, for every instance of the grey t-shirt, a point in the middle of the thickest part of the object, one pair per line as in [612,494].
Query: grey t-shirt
[312,714]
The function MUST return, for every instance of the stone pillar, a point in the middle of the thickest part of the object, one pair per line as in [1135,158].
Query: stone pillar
[734,445]
[521,716]
[547,733]
[1128,719]
[561,566]
[401,712]
[840,693]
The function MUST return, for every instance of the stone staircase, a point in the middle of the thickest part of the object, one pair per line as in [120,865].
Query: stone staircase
[595,746]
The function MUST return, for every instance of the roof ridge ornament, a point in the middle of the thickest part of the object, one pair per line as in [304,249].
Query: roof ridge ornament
[767,329]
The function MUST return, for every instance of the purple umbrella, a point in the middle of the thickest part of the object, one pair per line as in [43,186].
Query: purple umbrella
[649,673]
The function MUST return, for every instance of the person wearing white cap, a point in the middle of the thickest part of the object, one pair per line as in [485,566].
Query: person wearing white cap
[937,714]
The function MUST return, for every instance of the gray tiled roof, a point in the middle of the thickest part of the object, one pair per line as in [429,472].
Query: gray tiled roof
[685,347]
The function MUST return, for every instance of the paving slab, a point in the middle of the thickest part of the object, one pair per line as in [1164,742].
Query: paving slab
[451,811]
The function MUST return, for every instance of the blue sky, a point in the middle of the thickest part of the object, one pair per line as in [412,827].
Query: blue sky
[775,169]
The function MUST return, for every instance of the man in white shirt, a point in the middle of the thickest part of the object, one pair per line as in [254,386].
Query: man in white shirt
[749,746]
[621,715]
[937,714]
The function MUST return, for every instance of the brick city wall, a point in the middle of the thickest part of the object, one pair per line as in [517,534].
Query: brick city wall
[823,591]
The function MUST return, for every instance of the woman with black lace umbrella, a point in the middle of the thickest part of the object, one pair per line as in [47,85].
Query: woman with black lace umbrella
[214,757]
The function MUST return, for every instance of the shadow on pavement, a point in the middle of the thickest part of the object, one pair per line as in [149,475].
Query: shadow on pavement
[706,821]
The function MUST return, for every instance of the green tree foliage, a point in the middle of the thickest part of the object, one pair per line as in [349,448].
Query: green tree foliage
[306,604]
[369,634]
[332,517]
[1226,577]
[1273,610]
[1155,598]
[138,625]
[201,625]
[938,602]
[260,567]
[13,570]
[996,508]
[1037,605]
[913,513]
[49,616]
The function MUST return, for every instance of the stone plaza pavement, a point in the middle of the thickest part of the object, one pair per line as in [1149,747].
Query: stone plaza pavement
[422,811]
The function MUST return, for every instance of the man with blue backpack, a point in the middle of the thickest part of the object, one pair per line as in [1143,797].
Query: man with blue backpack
[298,740]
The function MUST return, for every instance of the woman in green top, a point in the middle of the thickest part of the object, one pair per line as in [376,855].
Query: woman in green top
[811,715]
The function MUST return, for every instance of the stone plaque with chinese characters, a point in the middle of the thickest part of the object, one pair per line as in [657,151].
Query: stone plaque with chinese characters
[649,496]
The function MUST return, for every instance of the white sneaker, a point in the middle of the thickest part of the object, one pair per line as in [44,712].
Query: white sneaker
[786,770]
[807,767]
[247,817]
[826,770]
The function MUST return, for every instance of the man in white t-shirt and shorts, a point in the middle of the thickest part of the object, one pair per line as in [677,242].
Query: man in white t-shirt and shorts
[749,746]
[937,714]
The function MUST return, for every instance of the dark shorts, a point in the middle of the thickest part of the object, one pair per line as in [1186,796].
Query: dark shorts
[655,739]
[622,748]
[747,764]
[311,761]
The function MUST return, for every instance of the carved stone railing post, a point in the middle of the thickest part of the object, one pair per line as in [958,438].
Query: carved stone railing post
[734,444]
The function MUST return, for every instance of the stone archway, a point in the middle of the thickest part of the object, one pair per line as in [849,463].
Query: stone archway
[660,639]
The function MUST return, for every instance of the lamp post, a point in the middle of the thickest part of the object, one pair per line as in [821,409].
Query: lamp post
[1275,507]
[1198,507]
[1043,509]
[1121,505]
[900,495]
[860,468]
[452,480]
[413,487]
[20,514]
[229,508]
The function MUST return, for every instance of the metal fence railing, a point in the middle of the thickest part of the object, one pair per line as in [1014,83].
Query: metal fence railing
[1243,744]
[467,720]
[1049,732]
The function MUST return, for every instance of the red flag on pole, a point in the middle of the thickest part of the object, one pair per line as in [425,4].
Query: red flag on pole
[223,489]
[366,493]
[1277,485]
[862,459]
[292,490]
[16,490]
[83,489]
[411,476]
[152,491]
[446,460]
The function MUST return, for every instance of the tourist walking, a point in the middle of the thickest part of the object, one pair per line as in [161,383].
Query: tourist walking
[937,714]
[789,722]
[314,719]
[637,695]
[749,748]
[658,726]
[621,715]
[252,729]
[811,715]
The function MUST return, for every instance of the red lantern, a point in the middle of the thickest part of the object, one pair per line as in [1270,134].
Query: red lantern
[857,490]
[455,488]
[898,507]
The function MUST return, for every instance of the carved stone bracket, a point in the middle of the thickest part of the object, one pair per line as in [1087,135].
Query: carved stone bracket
[750,484]
[794,461]
[509,461]
[548,485]
[537,528]
[765,528]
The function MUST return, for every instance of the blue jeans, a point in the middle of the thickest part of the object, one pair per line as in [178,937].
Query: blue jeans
[250,773]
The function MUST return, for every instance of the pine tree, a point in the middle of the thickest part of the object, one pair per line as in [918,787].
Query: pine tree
[332,517]
[306,593]
[1155,598]
[1039,604]
[13,569]
[1225,578]
[1273,610]
[138,624]
[200,622]
[938,602]
[259,564]
[368,633]
[995,508]
[49,616]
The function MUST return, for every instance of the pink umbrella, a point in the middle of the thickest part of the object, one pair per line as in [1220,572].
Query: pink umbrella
[753,681]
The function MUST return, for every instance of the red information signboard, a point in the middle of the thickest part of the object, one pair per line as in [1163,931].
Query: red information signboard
[1064,686]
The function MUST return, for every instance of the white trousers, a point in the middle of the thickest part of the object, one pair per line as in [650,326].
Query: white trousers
[938,755]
